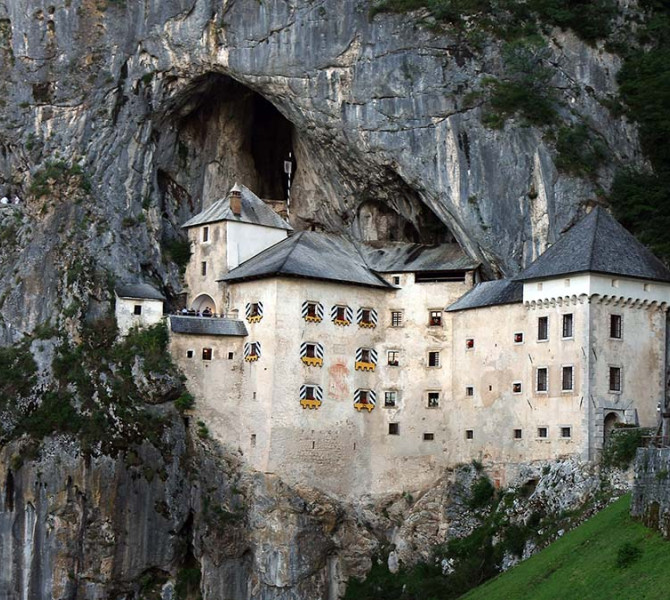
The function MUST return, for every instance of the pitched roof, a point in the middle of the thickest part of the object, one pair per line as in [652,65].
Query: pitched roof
[599,244]
[490,293]
[207,326]
[254,211]
[140,291]
[398,257]
[310,255]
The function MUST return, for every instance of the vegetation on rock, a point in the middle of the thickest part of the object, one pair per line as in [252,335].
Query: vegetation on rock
[609,556]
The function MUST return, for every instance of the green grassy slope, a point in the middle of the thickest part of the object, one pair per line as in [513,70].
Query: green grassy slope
[584,565]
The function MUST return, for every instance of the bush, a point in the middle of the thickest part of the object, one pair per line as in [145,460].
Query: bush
[627,554]
[482,493]
[622,446]
[577,152]
[179,252]
[184,402]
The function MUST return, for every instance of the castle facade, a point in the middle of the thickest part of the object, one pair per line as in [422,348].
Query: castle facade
[370,368]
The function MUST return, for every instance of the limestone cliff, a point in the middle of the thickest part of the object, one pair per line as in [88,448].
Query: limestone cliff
[121,118]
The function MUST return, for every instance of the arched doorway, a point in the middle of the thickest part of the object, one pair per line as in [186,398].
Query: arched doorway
[202,302]
[611,419]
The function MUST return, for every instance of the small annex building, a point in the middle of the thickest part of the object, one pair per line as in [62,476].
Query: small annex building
[137,305]
[371,367]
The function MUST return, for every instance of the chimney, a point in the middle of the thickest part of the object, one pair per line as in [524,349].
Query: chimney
[236,200]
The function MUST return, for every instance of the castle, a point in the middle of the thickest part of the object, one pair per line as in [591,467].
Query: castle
[370,367]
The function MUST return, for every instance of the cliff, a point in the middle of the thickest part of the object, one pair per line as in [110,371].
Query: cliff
[121,119]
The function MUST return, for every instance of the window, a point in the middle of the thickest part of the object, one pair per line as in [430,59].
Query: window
[203,268]
[311,353]
[206,354]
[396,318]
[394,428]
[516,387]
[390,398]
[539,287]
[253,440]
[231,355]
[309,392]
[542,379]
[518,338]
[567,326]
[254,310]
[137,309]
[428,437]
[312,312]
[469,434]
[396,280]
[189,354]
[205,234]
[615,327]
[543,328]
[542,432]
[469,343]
[434,359]
[365,315]
[311,309]
[566,432]
[615,379]
[393,358]
[433,399]
[340,313]
[517,434]
[310,350]
[435,318]
[567,380]
[363,396]
[469,390]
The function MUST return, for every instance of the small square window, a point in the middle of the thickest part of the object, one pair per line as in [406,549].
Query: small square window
[396,280]
[428,437]
[615,327]
[469,390]
[396,318]
[340,313]
[469,343]
[309,392]
[646,287]
[433,359]
[393,358]
[567,379]
[394,428]
[542,432]
[518,338]
[435,318]
[231,355]
[539,287]
[189,354]
[542,379]
[433,399]
[615,379]
[566,432]
[254,309]
[310,350]
[567,326]
[365,316]
[543,328]
[469,434]
[517,434]
[615,283]
[516,387]
[137,309]
[206,354]
[205,234]
[390,398]
[253,440]
[203,268]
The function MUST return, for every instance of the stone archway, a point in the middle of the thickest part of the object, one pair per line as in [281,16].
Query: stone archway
[611,419]
[202,302]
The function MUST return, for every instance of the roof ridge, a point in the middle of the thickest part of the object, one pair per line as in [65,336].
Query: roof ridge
[594,235]
[291,251]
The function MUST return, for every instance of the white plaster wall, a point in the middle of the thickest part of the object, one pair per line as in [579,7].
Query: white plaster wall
[246,240]
[590,284]
[214,253]
[491,368]
[152,313]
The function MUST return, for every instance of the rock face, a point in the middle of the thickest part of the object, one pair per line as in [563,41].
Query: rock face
[162,105]
[651,489]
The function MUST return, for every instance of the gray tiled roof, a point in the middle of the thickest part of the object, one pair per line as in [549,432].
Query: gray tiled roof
[490,293]
[254,210]
[207,326]
[599,244]
[397,257]
[142,291]
[311,255]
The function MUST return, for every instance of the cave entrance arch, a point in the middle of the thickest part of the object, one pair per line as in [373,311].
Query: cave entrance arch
[202,302]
